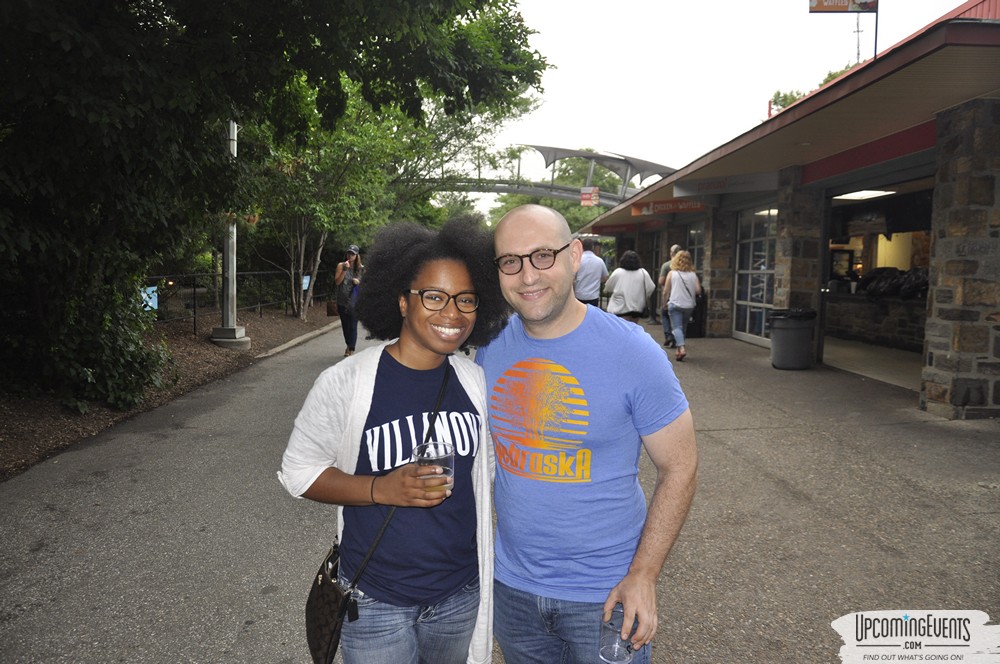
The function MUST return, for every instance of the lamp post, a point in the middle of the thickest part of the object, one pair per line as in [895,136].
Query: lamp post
[229,334]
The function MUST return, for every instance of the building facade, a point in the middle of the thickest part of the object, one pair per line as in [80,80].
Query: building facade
[874,201]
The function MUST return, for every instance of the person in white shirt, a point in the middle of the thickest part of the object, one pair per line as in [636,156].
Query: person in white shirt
[591,275]
[668,334]
[681,288]
[630,287]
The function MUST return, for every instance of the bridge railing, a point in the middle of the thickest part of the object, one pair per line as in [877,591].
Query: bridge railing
[528,188]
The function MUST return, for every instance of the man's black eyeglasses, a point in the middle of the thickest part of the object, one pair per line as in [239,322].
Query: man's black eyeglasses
[436,300]
[541,259]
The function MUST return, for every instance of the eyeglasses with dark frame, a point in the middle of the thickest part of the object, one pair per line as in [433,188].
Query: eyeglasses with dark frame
[436,300]
[541,259]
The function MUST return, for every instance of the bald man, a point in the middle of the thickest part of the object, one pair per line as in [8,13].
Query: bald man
[576,394]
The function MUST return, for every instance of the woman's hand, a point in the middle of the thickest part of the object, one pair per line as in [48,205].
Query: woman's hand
[412,486]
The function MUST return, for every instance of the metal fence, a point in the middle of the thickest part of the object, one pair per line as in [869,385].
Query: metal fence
[191,296]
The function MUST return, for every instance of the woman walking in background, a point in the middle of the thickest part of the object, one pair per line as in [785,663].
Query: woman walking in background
[347,279]
[426,594]
[629,287]
[681,288]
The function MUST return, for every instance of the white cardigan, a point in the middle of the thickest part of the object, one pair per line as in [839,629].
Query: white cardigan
[342,413]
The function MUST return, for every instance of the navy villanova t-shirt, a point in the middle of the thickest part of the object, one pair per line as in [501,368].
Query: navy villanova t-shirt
[427,554]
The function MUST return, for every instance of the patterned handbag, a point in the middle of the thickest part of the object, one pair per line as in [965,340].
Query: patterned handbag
[326,607]
[328,603]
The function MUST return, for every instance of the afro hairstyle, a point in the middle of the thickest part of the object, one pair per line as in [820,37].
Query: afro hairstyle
[629,261]
[400,251]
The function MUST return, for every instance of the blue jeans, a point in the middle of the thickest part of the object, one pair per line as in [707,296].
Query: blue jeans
[540,630]
[668,333]
[679,319]
[349,325]
[436,634]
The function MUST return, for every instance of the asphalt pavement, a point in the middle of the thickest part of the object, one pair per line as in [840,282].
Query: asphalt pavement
[168,538]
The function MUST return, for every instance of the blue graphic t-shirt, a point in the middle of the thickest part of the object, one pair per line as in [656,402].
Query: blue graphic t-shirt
[427,554]
[566,416]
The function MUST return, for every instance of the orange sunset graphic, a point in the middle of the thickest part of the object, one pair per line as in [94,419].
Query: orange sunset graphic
[540,415]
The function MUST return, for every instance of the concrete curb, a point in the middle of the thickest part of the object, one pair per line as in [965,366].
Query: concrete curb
[299,340]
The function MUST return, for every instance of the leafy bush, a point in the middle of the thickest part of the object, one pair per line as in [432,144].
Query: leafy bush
[95,348]
[116,362]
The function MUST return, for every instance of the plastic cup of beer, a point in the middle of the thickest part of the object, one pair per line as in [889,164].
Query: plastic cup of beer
[614,648]
[437,454]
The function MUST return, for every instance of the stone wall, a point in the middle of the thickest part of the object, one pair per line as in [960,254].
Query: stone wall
[798,256]
[961,377]
[890,321]
[720,272]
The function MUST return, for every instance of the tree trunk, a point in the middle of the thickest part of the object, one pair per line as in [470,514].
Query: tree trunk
[313,275]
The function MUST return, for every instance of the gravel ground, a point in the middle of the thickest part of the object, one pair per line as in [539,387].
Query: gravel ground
[32,430]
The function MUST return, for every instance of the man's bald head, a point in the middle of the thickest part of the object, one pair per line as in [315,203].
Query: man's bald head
[536,215]
[542,297]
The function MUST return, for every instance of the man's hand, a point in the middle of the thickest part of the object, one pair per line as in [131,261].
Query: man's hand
[637,596]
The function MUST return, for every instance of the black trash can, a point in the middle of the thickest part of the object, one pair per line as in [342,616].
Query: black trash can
[792,338]
[696,328]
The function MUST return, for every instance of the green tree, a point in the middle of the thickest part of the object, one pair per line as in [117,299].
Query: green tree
[830,75]
[342,184]
[323,184]
[456,205]
[112,144]
[571,172]
[443,149]
[782,100]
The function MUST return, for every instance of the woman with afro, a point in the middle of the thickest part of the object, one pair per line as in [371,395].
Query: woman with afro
[426,594]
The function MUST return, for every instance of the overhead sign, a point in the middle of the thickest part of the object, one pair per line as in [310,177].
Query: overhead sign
[730,184]
[854,6]
[625,226]
[666,207]
[590,196]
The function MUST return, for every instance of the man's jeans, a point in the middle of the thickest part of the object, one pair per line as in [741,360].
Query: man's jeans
[387,634]
[668,328]
[541,630]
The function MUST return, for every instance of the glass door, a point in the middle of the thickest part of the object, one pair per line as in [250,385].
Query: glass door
[696,246]
[754,290]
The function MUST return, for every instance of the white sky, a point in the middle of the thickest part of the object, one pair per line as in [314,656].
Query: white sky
[668,80]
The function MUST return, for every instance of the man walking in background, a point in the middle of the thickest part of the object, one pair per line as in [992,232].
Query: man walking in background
[591,275]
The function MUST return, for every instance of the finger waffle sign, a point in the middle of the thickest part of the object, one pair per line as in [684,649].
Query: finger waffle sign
[852,6]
